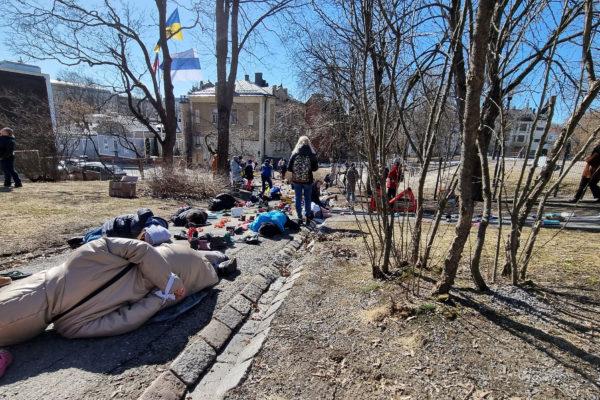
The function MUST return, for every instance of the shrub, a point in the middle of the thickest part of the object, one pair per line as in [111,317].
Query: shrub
[185,184]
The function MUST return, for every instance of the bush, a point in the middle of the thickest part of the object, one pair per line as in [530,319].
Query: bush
[185,184]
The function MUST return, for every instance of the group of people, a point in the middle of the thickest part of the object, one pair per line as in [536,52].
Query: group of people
[7,157]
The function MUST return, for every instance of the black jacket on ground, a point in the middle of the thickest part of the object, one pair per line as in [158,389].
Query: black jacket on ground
[305,151]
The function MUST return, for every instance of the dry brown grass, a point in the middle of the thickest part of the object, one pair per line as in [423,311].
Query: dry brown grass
[185,185]
[560,256]
[39,216]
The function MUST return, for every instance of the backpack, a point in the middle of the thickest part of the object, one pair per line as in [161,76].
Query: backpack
[302,169]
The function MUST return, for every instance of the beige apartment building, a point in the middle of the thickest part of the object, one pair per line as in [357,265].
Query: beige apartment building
[252,120]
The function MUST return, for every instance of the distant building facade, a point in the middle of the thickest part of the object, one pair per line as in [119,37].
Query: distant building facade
[251,125]
[519,129]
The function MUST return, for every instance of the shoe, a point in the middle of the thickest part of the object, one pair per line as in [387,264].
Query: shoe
[5,360]
[18,185]
[574,200]
[75,242]
[227,267]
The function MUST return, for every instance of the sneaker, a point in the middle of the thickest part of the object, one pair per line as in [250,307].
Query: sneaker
[75,242]
[18,185]
[227,267]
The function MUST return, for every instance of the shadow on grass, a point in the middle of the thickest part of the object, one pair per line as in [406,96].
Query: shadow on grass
[550,344]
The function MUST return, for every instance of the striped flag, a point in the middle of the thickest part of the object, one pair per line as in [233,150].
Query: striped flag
[185,66]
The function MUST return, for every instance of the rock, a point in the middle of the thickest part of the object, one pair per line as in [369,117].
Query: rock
[166,387]
[193,361]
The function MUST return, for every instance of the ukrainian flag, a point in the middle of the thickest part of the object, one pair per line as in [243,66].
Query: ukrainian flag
[173,29]
[173,26]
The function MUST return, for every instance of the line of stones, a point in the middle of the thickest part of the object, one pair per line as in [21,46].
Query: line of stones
[199,355]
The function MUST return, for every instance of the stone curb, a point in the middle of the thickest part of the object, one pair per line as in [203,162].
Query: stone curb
[200,355]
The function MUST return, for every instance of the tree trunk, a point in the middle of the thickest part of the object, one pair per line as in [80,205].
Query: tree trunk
[472,108]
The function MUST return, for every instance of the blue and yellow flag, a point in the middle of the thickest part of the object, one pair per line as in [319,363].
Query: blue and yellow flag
[174,26]
[173,29]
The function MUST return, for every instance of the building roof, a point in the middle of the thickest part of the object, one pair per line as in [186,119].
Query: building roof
[242,88]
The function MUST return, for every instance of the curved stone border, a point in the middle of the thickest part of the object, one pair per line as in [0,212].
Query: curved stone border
[201,353]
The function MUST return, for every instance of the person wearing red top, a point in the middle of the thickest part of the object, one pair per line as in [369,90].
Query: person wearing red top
[392,180]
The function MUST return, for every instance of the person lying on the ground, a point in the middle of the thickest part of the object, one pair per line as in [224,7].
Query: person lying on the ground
[189,217]
[107,287]
[322,201]
[124,226]
[590,177]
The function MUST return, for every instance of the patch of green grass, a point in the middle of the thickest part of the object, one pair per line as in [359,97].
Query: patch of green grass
[371,287]
[426,308]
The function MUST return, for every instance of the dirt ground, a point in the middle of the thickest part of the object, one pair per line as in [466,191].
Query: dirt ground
[39,217]
[343,335]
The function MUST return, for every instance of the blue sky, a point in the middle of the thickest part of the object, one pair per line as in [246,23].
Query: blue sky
[272,60]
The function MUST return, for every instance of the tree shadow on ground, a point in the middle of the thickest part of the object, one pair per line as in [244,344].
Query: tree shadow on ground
[152,344]
[554,345]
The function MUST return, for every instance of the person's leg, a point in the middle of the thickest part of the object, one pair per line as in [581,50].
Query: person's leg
[593,185]
[6,172]
[92,234]
[583,184]
[307,198]
[298,199]
[270,182]
[14,173]
[263,181]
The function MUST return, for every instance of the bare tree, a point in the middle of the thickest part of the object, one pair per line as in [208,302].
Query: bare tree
[109,38]
[234,28]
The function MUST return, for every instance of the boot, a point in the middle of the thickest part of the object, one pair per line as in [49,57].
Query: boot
[227,267]
[75,242]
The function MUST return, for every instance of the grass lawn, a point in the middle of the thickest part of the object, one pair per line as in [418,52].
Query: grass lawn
[41,216]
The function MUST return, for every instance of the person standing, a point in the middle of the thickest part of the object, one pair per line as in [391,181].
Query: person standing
[235,171]
[282,168]
[351,179]
[249,174]
[7,155]
[392,180]
[266,173]
[590,176]
[302,165]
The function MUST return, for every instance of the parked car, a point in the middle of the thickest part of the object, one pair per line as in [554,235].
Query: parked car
[70,165]
[106,171]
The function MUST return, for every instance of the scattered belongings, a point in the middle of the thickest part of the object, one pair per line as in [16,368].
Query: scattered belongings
[4,280]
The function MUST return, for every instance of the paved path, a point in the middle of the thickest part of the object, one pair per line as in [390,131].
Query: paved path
[51,367]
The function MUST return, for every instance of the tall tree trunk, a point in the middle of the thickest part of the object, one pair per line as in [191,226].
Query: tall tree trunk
[170,122]
[472,108]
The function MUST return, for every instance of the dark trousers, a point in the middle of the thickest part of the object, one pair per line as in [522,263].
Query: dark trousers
[592,183]
[265,180]
[8,168]
[303,190]
[391,192]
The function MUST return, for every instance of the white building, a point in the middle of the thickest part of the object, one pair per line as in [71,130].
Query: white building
[519,129]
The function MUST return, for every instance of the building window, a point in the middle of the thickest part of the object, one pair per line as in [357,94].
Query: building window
[197,116]
[250,118]
[539,128]
[523,127]
[536,140]
[105,144]
[215,116]
[233,117]
[520,138]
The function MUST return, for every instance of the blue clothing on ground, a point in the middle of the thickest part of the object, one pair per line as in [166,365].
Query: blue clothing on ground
[276,217]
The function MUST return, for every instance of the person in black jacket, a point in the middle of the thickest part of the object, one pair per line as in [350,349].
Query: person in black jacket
[7,156]
[590,177]
[302,165]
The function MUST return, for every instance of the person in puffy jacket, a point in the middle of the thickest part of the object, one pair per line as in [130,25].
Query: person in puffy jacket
[29,305]
[590,177]
[302,165]
[266,173]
